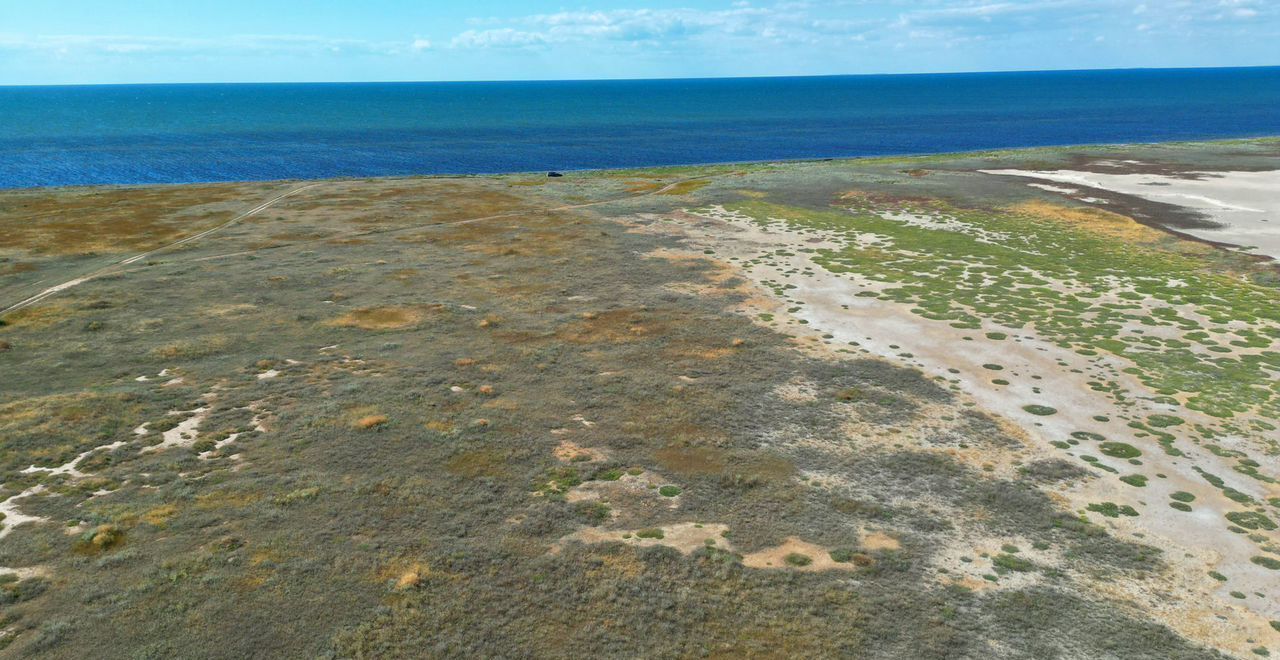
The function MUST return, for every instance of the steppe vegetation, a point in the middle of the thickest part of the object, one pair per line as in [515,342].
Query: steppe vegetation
[521,416]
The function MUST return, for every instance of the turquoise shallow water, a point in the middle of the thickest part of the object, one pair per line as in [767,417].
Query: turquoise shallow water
[186,133]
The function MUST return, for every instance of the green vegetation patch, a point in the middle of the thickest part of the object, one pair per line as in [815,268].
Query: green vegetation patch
[1266,562]
[798,560]
[1119,450]
[1251,520]
[1113,510]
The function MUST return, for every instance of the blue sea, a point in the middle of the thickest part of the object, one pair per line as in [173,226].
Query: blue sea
[128,134]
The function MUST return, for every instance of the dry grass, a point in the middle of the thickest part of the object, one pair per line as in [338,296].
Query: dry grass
[60,221]
[41,316]
[193,348]
[1105,223]
[686,187]
[691,460]
[159,515]
[20,268]
[371,421]
[478,463]
[614,326]
[379,318]
[879,541]
[440,426]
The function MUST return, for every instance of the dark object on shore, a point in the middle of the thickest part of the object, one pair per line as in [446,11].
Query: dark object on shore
[4,346]
[554,175]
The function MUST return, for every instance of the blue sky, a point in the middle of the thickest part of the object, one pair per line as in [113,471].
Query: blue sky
[115,41]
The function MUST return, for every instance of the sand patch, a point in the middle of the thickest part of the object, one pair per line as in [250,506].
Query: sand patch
[797,555]
[685,537]
[185,433]
[13,516]
[25,573]
[571,452]
[879,541]
[627,493]
[71,467]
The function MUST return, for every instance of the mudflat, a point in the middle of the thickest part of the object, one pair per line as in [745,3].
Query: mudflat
[1007,404]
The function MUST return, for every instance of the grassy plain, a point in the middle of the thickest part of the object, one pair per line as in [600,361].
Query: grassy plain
[890,408]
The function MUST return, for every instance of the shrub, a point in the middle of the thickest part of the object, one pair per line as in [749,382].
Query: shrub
[842,555]
[1053,469]
[1183,496]
[102,537]
[1267,562]
[1043,411]
[594,512]
[1164,421]
[1012,563]
[653,533]
[299,495]
[1251,520]
[849,394]
[797,559]
[1112,510]
[1119,450]
[669,491]
[613,474]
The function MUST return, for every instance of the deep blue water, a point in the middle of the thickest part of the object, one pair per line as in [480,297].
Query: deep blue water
[185,133]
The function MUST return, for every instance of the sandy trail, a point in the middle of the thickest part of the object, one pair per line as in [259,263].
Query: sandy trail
[13,516]
[54,290]
[115,267]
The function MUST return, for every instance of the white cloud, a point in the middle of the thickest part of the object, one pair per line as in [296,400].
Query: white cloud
[788,22]
[497,38]
[67,45]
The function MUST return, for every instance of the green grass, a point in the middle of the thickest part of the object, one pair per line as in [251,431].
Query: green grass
[1112,510]
[1009,282]
[1251,520]
[1267,562]
[1119,450]
[798,560]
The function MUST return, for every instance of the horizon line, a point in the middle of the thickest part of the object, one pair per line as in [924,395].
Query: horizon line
[644,79]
